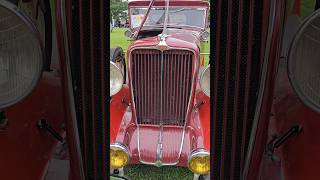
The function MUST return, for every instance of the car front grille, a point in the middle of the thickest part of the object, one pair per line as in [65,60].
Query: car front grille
[238,51]
[87,25]
[161,85]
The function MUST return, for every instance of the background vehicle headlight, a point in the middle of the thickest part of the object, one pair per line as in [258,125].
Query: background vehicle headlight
[304,62]
[199,162]
[119,155]
[116,79]
[205,81]
[21,55]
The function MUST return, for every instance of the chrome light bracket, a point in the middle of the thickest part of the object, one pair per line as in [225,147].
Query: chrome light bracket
[120,146]
[200,152]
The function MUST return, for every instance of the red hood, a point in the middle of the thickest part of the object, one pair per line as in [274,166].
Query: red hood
[177,38]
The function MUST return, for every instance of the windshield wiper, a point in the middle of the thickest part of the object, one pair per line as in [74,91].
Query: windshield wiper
[144,19]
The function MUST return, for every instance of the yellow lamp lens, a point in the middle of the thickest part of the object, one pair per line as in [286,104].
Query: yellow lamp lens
[118,158]
[200,165]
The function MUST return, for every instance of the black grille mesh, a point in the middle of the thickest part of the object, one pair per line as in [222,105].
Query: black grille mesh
[88,25]
[237,60]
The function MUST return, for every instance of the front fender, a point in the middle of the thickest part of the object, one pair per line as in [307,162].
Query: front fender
[204,117]
[118,105]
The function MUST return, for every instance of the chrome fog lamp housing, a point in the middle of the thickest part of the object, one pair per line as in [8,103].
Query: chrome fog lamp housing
[199,161]
[119,155]
[21,55]
[205,81]
[116,79]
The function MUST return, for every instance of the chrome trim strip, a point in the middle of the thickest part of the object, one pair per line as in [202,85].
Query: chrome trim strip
[261,90]
[188,108]
[160,146]
[70,87]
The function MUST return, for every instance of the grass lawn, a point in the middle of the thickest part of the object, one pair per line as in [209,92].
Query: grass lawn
[145,172]
[117,38]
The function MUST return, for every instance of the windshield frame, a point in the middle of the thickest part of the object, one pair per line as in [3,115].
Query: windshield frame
[170,25]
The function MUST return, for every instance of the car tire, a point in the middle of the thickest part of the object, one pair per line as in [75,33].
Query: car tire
[117,56]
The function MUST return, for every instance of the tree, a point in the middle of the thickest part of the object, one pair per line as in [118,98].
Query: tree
[118,8]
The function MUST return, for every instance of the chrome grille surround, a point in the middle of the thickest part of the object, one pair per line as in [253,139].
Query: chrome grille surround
[194,73]
[161,85]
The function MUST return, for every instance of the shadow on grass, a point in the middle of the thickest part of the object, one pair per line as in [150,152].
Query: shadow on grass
[145,172]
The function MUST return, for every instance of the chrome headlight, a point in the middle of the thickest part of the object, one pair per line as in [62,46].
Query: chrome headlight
[21,55]
[119,155]
[205,81]
[304,62]
[199,161]
[116,79]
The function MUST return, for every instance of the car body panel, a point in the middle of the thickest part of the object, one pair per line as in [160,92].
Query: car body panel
[297,158]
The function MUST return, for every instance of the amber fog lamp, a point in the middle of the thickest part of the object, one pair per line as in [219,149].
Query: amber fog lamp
[119,155]
[199,162]
[304,62]
[21,55]
[205,81]
[116,79]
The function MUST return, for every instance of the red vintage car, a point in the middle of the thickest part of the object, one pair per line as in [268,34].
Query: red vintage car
[160,98]
[56,113]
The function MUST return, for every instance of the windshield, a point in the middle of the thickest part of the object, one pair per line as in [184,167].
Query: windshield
[178,16]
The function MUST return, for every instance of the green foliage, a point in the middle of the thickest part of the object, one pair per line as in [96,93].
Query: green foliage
[117,8]
[117,39]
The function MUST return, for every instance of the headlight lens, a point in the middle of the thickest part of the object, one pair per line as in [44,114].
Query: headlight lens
[21,55]
[199,162]
[304,62]
[205,81]
[116,79]
[119,156]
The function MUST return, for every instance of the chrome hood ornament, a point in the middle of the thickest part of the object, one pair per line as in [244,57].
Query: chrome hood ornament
[162,45]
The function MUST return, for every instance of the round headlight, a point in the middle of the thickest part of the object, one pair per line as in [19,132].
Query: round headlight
[119,155]
[304,62]
[116,79]
[199,162]
[205,81]
[21,55]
